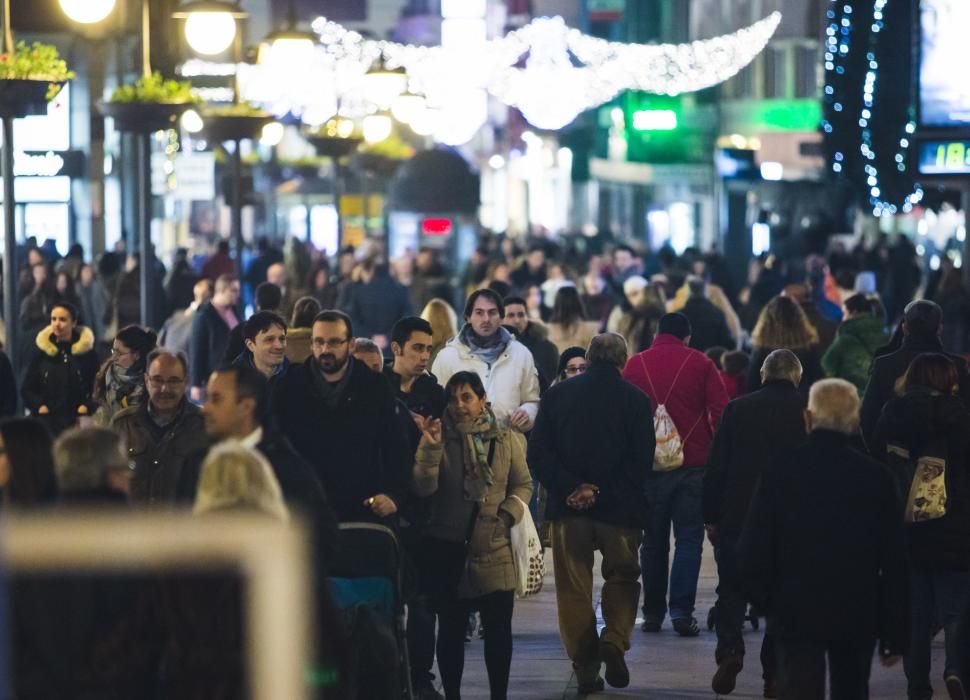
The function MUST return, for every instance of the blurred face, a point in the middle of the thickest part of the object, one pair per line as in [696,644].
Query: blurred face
[534,298]
[39,273]
[484,318]
[269,347]
[464,404]
[373,360]
[34,257]
[575,366]
[346,264]
[62,324]
[165,382]
[517,317]
[622,259]
[61,283]
[123,356]
[225,415]
[412,359]
[320,281]
[331,345]
[501,273]
[276,274]
[4,465]
[87,275]
[536,259]
[229,294]
[200,291]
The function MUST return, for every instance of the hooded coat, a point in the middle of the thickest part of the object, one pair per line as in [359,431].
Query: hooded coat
[60,376]
[850,356]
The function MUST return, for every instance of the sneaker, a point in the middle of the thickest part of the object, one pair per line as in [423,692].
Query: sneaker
[770,690]
[651,626]
[726,676]
[686,627]
[617,673]
[954,686]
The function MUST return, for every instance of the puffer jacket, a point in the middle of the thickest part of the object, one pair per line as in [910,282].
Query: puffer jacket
[61,376]
[439,470]
[849,357]
[511,382]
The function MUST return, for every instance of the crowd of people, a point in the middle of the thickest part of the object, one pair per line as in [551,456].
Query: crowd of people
[810,423]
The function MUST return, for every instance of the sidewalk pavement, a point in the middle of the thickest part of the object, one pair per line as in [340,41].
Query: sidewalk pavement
[662,666]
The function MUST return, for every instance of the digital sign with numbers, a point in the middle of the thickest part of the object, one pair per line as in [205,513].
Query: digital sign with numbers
[944,157]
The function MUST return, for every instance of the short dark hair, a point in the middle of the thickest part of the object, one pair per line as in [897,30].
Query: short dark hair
[401,333]
[509,300]
[502,289]
[68,307]
[260,322]
[858,304]
[334,316]
[489,294]
[268,296]
[922,318]
[624,246]
[29,453]
[460,379]
[304,311]
[674,324]
[735,361]
[250,384]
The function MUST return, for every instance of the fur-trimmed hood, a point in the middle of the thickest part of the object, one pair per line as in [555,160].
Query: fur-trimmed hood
[82,341]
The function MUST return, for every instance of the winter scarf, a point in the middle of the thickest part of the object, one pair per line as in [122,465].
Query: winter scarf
[487,349]
[476,435]
[124,387]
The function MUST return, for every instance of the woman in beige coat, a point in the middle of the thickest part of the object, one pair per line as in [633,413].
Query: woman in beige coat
[480,485]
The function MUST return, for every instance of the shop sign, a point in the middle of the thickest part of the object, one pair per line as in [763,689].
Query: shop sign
[49,164]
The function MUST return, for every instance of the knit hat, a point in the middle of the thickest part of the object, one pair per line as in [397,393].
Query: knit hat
[567,355]
[634,284]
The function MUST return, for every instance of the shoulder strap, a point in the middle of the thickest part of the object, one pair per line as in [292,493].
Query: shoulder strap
[672,384]
[476,506]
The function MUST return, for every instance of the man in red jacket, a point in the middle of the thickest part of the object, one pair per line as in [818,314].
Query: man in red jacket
[688,385]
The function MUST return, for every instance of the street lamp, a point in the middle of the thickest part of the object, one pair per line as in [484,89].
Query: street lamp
[210,25]
[87,11]
[407,107]
[377,127]
[382,84]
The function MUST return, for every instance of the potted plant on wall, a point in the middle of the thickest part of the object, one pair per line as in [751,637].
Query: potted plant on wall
[150,104]
[30,77]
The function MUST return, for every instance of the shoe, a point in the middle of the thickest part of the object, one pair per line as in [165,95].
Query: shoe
[686,627]
[588,678]
[651,626]
[427,693]
[954,686]
[617,673]
[770,690]
[726,676]
[594,686]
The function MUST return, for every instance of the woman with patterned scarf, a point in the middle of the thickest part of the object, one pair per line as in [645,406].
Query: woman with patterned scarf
[480,484]
[121,380]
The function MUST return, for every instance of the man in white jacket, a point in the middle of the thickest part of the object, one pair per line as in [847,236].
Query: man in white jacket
[505,365]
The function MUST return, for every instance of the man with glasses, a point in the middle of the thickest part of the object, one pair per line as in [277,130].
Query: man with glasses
[342,418]
[162,432]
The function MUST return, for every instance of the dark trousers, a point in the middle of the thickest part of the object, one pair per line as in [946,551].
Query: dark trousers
[731,607]
[939,599]
[496,611]
[801,669]
[674,498]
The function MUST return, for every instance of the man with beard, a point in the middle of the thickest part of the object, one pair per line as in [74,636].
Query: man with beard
[341,417]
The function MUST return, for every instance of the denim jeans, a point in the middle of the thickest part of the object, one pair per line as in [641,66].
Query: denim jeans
[939,598]
[673,497]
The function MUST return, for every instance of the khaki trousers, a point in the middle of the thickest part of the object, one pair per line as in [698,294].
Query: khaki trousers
[574,540]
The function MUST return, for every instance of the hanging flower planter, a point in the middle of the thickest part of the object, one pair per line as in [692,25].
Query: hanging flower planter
[235,122]
[149,105]
[334,146]
[30,78]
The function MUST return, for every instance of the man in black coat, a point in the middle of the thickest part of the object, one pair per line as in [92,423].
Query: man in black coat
[376,302]
[535,337]
[709,327]
[592,449]
[755,431]
[822,554]
[211,326]
[341,417]
[922,325]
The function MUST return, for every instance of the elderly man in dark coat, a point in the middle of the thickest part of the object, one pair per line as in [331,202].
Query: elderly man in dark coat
[592,448]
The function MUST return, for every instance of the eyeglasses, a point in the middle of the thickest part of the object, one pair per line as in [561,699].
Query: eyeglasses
[161,382]
[579,369]
[330,343]
[115,352]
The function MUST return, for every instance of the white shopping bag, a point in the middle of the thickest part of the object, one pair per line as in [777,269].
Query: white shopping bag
[530,567]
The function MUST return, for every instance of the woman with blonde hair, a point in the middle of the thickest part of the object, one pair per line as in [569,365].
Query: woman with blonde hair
[444,324]
[783,325]
[238,478]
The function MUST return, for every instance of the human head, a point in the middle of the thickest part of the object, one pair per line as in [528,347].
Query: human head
[632,288]
[483,312]
[264,335]
[304,311]
[235,401]
[922,319]
[366,351]
[782,323]
[715,354]
[165,379]
[132,345]
[276,275]
[443,320]
[516,314]
[411,341]
[26,462]
[38,271]
[63,283]
[675,324]
[571,363]
[536,257]
[90,460]
[267,297]
[608,349]
[857,305]
[696,286]
[237,478]
[934,371]
[226,290]
[568,307]
[466,396]
[735,362]
[202,290]
[623,257]
[833,404]
[330,340]
[781,365]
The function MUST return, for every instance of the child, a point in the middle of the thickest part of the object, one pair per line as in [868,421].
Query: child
[734,370]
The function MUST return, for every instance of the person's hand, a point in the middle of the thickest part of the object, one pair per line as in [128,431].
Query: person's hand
[431,432]
[583,497]
[82,410]
[381,505]
[712,533]
[418,420]
[43,410]
[195,394]
[890,660]
[521,421]
[506,519]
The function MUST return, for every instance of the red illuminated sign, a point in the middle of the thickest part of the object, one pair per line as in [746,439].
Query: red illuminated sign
[436,227]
